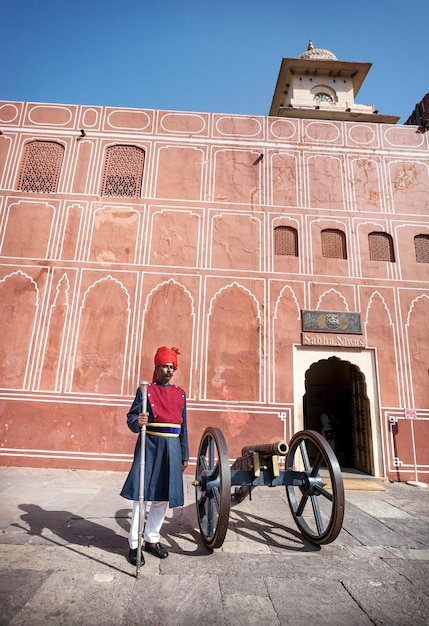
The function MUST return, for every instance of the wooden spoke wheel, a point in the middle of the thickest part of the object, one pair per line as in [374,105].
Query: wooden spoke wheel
[316,502]
[213,488]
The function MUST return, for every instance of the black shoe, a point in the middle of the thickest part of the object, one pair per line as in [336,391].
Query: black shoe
[133,557]
[158,550]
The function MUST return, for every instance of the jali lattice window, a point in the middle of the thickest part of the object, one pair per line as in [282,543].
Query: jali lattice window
[421,246]
[333,244]
[123,172]
[41,166]
[381,247]
[286,241]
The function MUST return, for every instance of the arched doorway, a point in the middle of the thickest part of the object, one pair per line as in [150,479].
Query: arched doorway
[340,386]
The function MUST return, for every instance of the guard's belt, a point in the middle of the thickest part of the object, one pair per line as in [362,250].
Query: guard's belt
[163,430]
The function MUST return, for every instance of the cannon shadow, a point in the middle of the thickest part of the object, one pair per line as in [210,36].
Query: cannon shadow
[269,532]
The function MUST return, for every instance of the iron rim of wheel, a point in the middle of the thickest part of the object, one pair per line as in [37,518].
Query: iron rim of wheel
[317,505]
[213,488]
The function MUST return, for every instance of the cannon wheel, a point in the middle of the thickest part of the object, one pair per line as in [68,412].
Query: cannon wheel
[213,488]
[316,505]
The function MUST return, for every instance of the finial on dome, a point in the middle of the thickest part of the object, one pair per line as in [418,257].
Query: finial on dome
[317,54]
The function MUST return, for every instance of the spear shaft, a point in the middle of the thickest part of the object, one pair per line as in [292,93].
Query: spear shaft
[143,387]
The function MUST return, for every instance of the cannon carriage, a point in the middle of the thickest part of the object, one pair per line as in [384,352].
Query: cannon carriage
[316,501]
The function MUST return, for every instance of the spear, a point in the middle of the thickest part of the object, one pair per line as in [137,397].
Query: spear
[143,387]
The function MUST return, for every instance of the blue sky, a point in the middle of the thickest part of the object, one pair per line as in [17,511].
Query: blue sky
[191,55]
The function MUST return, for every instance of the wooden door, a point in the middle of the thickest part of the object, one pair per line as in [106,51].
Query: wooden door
[361,423]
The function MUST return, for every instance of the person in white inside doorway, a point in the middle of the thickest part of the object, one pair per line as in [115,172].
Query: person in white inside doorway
[327,421]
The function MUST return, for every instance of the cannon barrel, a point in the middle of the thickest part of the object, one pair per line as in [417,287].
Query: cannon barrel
[268,449]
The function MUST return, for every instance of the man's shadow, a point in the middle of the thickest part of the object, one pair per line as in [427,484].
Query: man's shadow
[69,528]
[70,531]
[66,529]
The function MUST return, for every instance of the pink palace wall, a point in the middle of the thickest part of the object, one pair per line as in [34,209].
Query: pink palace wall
[90,286]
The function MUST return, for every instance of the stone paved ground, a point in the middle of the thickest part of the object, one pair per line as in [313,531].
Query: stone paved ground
[63,559]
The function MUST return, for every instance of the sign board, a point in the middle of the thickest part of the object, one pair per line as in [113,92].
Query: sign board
[333,340]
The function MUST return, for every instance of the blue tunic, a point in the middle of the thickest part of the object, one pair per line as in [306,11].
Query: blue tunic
[163,479]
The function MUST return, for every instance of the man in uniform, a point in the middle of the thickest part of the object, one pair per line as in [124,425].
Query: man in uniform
[166,453]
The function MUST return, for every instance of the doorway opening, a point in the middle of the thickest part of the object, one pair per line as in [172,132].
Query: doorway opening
[339,388]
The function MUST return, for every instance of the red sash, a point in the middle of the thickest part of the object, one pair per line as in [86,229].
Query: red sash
[166,403]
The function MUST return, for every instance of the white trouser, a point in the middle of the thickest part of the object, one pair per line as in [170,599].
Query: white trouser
[152,527]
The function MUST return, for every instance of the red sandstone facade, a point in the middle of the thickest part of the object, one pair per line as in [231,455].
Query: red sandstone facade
[213,233]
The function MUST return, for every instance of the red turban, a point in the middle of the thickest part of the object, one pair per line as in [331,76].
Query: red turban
[166,355]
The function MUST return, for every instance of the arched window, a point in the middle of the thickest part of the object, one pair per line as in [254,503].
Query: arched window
[323,93]
[41,166]
[286,241]
[123,172]
[322,96]
[421,246]
[333,244]
[381,247]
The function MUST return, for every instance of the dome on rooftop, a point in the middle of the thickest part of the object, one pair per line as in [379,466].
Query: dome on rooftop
[317,53]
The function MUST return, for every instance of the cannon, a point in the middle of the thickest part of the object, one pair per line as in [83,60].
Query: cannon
[316,502]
